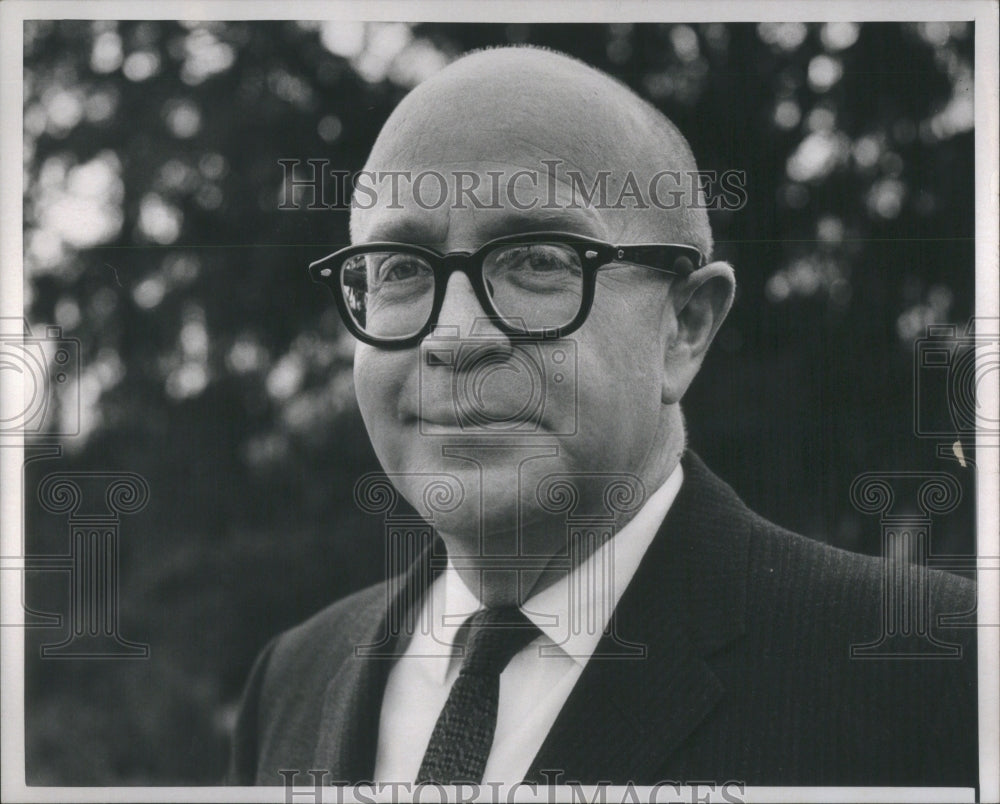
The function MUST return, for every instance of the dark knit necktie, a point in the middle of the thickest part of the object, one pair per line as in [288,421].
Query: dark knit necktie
[463,735]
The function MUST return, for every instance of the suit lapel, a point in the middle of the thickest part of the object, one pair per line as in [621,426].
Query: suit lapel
[352,704]
[349,724]
[625,716]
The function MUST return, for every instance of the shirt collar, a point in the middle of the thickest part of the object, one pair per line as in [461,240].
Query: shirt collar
[573,611]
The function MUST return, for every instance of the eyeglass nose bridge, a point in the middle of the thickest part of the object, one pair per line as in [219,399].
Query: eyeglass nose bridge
[461,262]
[456,261]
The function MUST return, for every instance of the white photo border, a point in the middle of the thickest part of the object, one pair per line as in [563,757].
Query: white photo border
[983,13]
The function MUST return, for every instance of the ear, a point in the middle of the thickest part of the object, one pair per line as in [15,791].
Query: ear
[699,303]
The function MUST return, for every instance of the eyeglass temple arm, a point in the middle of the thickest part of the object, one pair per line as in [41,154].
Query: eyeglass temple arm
[680,260]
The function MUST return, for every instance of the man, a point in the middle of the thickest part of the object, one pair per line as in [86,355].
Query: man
[682,637]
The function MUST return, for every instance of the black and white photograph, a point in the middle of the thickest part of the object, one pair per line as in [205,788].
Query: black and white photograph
[436,402]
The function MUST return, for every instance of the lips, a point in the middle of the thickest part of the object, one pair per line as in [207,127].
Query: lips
[479,419]
[439,418]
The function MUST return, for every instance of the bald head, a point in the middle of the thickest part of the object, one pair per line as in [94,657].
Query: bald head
[522,109]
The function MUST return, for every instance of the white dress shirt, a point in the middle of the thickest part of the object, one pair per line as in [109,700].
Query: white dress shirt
[571,615]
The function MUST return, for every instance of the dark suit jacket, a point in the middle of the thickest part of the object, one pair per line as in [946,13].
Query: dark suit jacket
[748,674]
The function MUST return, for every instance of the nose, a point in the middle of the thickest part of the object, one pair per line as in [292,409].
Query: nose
[463,321]
[462,316]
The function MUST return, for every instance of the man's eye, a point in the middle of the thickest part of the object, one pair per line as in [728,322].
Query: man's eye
[537,259]
[543,260]
[399,268]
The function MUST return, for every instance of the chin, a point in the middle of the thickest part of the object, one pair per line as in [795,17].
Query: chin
[496,514]
[466,486]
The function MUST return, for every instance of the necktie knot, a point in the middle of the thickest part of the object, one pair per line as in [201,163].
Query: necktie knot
[495,636]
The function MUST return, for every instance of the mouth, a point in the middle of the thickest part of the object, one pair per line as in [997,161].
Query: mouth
[449,420]
[427,415]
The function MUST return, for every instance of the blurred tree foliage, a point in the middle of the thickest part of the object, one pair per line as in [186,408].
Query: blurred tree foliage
[214,367]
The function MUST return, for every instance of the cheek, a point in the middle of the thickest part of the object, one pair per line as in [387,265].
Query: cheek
[621,368]
[379,380]
[620,383]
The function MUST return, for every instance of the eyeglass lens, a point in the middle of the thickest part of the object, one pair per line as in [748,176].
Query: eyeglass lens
[534,286]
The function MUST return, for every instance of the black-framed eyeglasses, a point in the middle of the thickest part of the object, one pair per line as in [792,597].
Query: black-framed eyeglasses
[539,285]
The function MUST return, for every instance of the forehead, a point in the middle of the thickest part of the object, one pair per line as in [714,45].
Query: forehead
[450,207]
[451,161]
